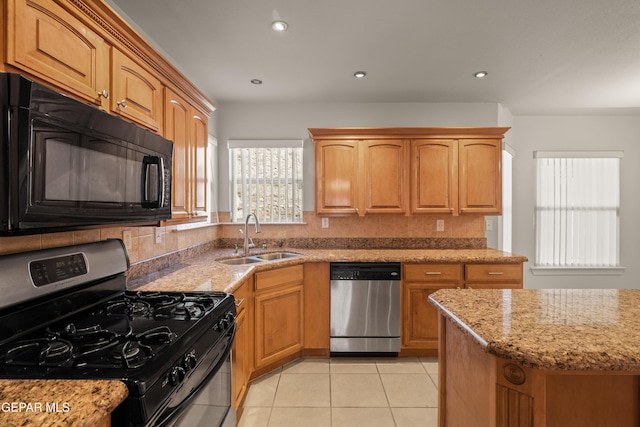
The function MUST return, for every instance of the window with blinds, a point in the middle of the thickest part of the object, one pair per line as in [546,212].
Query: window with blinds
[577,209]
[266,178]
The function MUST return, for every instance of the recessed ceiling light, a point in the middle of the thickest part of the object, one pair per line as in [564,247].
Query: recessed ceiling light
[279,26]
[359,74]
[256,81]
[481,74]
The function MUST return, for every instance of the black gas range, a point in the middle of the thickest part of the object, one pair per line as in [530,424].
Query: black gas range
[65,314]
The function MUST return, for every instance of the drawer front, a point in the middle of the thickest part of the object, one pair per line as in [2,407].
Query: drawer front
[279,277]
[432,272]
[493,272]
[241,296]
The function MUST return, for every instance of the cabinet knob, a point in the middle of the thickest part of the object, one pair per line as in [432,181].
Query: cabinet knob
[122,104]
[103,93]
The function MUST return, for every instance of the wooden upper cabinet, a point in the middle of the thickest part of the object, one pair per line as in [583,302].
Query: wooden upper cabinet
[408,170]
[361,177]
[187,128]
[480,176]
[136,93]
[48,42]
[86,50]
[434,176]
[177,130]
[336,165]
[199,144]
[384,176]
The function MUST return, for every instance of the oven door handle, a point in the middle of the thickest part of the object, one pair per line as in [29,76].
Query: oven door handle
[171,416]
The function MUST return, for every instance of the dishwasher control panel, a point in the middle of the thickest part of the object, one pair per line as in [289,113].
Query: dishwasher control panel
[365,271]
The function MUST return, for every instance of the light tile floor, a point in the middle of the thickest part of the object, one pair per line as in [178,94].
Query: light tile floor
[345,392]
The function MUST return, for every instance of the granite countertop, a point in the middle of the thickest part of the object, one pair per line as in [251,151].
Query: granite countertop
[69,403]
[203,273]
[558,329]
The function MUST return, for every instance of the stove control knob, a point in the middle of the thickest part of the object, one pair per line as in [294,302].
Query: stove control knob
[176,375]
[230,318]
[189,361]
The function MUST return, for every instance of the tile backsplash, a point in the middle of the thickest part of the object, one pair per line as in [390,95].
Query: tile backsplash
[149,242]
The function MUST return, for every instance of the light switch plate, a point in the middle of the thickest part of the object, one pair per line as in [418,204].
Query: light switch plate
[158,235]
[325,222]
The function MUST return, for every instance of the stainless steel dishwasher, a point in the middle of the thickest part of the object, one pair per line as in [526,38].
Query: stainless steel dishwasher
[365,307]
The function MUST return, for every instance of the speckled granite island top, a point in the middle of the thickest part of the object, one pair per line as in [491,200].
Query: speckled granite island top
[577,329]
[203,273]
[69,403]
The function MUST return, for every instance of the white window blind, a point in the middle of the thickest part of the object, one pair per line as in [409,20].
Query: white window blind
[266,178]
[577,209]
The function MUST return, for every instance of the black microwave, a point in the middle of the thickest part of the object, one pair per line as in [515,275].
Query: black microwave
[67,165]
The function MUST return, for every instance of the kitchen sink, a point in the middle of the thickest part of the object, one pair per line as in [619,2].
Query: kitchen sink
[240,261]
[277,255]
[252,259]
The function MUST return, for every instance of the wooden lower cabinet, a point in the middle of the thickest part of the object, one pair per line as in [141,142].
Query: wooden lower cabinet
[493,276]
[242,350]
[479,389]
[279,315]
[317,309]
[419,317]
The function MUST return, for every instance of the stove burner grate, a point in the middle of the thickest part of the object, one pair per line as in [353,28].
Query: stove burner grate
[50,351]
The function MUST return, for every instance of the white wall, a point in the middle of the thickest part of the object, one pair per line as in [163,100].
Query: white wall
[534,133]
[291,120]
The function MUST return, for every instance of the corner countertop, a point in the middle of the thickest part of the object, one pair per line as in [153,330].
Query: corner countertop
[204,273]
[556,329]
[69,403]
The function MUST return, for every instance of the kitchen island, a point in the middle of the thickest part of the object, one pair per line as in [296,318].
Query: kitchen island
[553,357]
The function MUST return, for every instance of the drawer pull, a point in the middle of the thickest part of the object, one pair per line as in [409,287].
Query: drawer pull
[239,302]
[495,273]
[432,272]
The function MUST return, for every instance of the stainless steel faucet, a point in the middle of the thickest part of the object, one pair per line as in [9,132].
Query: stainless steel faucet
[248,245]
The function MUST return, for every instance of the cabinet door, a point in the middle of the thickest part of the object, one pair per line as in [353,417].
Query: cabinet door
[199,144]
[177,130]
[135,93]
[47,41]
[383,176]
[434,172]
[279,324]
[242,350]
[336,177]
[480,176]
[317,308]
[187,128]
[420,319]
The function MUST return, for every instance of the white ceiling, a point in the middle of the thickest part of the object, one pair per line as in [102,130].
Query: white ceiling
[543,56]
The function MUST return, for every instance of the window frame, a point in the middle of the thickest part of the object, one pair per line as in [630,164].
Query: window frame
[565,270]
[298,144]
